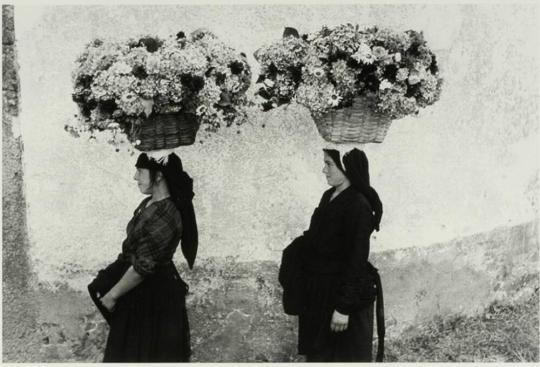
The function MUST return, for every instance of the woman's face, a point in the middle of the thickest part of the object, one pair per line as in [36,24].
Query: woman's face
[334,176]
[144,181]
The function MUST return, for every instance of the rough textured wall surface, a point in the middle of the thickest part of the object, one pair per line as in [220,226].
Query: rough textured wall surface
[18,306]
[464,166]
[235,307]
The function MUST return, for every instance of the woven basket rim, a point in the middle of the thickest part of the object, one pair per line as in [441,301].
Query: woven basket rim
[165,130]
[354,124]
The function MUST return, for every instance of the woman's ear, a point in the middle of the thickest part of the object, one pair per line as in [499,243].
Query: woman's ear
[159,176]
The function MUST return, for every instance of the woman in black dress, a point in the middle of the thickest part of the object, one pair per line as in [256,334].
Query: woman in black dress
[141,294]
[336,314]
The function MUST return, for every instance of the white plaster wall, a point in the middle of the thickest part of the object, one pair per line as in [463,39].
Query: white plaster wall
[467,164]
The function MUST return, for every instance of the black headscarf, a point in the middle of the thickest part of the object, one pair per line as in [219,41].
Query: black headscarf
[334,154]
[180,187]
[357,171]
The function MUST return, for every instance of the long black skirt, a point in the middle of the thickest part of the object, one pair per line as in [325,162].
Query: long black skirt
[315,338]
[149,323]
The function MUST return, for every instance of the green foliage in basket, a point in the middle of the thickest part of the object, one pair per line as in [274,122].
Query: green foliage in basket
[327,69]
[117,84]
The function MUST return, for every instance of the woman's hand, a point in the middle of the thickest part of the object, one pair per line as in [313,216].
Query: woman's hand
[339,322]
[109,302]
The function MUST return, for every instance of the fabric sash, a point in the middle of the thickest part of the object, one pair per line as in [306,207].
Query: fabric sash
[381,329]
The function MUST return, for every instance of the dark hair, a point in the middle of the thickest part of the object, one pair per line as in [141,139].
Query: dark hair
[180,187]
[357,171]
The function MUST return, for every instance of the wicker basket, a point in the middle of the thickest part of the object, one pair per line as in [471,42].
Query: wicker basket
[355,124]
[166,131]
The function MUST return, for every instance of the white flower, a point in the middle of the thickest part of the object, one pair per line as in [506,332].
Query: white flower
[428,89]
[380,52]
[121,68]
[311,36]
[385,84]
[414,78]
[201,110]
[368,59]
[128,97]
[418,66]
[334,100]
[235,88]
[402,74]
[284,90]
[269,83]
[397,57]
[364,48]
[153,64]
[324,50]
[137,142]
[319,72]
[113,125]
[364,54]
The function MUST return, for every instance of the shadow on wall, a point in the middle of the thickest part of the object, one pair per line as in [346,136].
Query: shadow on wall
[236,313]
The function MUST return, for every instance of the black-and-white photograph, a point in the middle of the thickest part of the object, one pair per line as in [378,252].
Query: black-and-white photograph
[270,182]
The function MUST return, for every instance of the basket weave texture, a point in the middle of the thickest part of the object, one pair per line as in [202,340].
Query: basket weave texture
[358,123]
[166,131]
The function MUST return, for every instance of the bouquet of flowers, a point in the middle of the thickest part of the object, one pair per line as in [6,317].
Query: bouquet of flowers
[122,85]
[386,74]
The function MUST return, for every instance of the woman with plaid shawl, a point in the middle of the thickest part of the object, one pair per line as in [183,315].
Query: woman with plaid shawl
[141,295]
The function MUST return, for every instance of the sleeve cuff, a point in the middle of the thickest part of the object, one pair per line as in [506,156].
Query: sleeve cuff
[343,310]
[142,266]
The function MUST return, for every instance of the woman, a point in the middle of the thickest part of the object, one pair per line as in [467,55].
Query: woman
[141,295]
[336,314]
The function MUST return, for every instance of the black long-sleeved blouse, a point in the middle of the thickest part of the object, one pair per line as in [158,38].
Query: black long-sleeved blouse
[337,245]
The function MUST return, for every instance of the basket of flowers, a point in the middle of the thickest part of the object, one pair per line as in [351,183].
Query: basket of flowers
[158,92]
[354,81]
